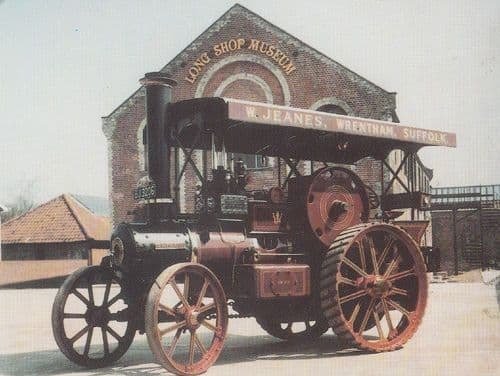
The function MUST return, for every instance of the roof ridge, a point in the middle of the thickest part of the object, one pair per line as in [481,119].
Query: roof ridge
[35,207]
[67,197]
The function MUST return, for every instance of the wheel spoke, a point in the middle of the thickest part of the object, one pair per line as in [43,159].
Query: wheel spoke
[181,297]
[79,295]
[206,308]
[387,317]
[199,344]
[354,314]
[367,316]
[89,340]
[74,315]
[361,254]
[79,335]
[106,293]
[355,267]
[113,333]
[398,291]
[174,342]
[191,348]
[373,255]
[354,295]
[391,266]
[397,306]
[91,291]
[388,246]
[207,325]
[403,274]
[379,327]
[347,281]
[168,310]
[202,294]
[179,325]
[114,300]
[186,286]
[105,341]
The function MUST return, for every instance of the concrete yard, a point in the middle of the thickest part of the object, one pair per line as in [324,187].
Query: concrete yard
[460,335]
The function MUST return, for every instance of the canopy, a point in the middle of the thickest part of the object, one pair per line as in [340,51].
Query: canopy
[259,128]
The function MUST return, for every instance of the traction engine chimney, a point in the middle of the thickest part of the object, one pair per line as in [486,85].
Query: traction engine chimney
[158,94]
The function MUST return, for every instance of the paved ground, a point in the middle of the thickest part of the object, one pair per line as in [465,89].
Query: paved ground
[459,336]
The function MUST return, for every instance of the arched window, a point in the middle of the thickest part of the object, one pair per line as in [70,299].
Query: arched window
[332,109]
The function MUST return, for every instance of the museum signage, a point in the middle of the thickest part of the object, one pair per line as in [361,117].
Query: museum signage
[258,46]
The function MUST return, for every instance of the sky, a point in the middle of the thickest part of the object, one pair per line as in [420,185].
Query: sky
[65,64]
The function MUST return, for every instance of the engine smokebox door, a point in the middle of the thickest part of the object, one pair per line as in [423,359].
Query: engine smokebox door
[272,281]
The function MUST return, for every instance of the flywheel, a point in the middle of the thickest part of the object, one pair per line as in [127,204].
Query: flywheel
[336,200]
[374,286]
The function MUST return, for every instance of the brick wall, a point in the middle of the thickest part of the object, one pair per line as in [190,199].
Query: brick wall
[246,73]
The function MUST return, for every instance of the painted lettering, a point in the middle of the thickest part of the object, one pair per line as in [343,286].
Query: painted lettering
[250,112]
[254,45]
[234,44]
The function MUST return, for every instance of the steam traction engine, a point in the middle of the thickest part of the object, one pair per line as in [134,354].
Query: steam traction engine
[300,257]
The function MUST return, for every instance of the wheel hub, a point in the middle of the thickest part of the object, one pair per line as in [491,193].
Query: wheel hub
[192,321]
[97,316]
[376,285]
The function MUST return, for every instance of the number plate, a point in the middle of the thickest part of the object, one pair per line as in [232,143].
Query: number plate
[144,193]
[234,204]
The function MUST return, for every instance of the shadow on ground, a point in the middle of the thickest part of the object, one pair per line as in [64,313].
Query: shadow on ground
[497,288]
[139,360]
[44,283]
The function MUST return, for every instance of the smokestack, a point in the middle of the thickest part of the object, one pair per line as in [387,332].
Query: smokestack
[158,94]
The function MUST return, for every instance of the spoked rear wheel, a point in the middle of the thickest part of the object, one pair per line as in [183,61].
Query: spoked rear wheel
[186,318]
[89,318]
[374,286]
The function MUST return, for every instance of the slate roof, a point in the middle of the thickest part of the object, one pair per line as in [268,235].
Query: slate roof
[61,220]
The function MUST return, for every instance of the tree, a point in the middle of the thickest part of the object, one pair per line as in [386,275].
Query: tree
[21,204]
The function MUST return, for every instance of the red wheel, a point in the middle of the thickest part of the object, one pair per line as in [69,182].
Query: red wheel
[186,318]
[336,200]
[374,286]
[89,318]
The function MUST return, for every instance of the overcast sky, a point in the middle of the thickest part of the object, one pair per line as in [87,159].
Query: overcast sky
[64,64]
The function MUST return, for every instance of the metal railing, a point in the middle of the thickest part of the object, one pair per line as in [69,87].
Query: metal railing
[484,196]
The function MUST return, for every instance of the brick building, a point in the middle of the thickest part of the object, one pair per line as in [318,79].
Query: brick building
[243,56]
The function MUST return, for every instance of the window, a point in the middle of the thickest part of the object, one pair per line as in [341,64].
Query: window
[252,161]
[141,146]
[332,109]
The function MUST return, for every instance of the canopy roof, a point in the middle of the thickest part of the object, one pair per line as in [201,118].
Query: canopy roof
[259,128]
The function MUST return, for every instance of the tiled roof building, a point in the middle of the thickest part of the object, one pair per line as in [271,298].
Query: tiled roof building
[61,228]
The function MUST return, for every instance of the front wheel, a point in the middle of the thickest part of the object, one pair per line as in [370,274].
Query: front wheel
[186,318]
[90,318]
